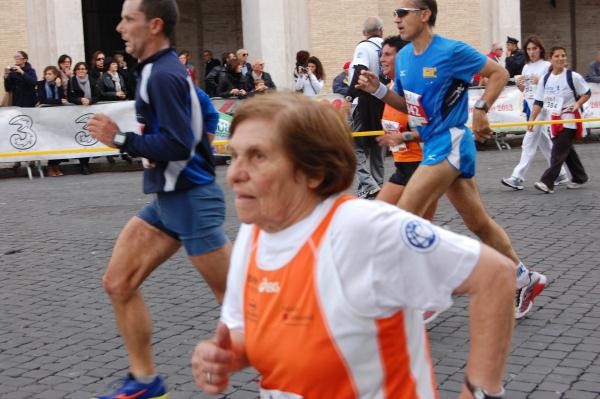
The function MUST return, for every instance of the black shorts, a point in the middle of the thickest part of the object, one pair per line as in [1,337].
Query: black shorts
[403,172]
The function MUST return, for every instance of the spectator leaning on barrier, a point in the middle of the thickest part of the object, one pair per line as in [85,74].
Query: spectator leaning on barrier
[594,70]
[66,73]
[97,65]
[242,55]
[20,80]
[233,82]
[340,83]
[184,58]
[209,62]
[258,72]
[50,92]
[112,85]
[83,90]
[211,82]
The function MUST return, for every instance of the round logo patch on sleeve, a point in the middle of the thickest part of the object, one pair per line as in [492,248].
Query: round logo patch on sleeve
[419,235]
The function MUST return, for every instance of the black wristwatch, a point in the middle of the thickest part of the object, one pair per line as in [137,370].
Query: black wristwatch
[119,139]
[480,393]
[481,105]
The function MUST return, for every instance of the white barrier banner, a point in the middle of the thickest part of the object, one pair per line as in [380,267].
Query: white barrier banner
[28,134]
[509,108]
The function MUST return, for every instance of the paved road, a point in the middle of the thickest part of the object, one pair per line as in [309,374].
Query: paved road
[57,332]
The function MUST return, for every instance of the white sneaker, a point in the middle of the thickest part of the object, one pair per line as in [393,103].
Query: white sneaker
[573,185]
[563,179]
[542,187]
[512,182]
[525,296]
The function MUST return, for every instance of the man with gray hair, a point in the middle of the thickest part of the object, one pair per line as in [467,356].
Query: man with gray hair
[367,110]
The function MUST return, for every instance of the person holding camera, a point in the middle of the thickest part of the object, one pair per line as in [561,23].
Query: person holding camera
[20,80]
[311,78]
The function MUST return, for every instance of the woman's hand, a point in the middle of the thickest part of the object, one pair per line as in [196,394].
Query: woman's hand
[58,82]
[85,101]
[64,101]
[212,360]
[234,92]
[121,94]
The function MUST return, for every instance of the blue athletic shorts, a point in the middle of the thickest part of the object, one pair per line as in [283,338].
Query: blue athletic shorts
[455,145]
[195,217]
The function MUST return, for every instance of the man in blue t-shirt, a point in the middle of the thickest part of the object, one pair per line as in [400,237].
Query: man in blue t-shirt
[432,79]
[188,208]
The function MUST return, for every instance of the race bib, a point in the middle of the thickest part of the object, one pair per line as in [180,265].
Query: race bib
[553,104]
[529,91]
[416,113]
[393,127]
[276,394]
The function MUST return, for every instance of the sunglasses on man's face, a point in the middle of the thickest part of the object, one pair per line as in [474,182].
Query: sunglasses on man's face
[403,12]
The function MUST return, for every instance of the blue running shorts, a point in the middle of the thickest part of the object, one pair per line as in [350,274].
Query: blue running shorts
[455,145]
[195,217]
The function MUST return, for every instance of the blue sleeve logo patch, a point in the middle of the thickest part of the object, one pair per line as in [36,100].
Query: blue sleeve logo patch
[419,235]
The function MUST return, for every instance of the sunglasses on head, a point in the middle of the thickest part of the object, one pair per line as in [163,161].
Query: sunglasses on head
[403,12]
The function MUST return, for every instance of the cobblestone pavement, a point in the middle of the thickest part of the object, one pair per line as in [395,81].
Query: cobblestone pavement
[57,333]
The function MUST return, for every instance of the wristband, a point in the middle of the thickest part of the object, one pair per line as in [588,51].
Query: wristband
[381,91]
[407,136]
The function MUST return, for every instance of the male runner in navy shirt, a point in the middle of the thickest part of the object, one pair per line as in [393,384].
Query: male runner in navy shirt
[188,208]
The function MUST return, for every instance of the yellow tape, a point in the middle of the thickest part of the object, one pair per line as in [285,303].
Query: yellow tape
[225,142]
[58,152]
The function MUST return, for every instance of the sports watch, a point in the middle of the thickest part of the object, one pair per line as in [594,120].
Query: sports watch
[480,393]
[481,105]
[119,139]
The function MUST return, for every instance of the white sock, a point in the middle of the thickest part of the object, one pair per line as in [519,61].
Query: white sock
[522,275]
[145,379]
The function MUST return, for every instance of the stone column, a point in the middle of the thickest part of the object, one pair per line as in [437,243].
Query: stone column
[275,31]
[499,18]
[54,27]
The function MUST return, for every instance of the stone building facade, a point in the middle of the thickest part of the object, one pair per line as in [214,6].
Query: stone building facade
[275,30]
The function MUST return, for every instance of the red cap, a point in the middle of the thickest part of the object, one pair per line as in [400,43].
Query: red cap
[347,65]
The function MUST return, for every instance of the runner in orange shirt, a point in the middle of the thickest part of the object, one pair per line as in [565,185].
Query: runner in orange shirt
[404,144]
[324,291]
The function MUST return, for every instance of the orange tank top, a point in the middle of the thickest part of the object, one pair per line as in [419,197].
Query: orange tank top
[290,341]
[411,151]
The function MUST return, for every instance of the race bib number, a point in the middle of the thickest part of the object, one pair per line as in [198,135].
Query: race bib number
[529,91]
[553,104]
[393,127]
[276,394]
[416,113]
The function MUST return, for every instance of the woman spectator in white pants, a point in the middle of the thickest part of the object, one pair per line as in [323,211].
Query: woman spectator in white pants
[533,72]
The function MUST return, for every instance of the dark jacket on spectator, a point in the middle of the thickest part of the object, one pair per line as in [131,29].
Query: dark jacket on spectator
[515,63]
[107,89]
[593,72]
[76,92]
[340,84]
[211,82]
[22,87]
[43,96]
[210,65]
[230,80]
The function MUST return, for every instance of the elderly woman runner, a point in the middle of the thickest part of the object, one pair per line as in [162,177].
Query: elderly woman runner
[325,292]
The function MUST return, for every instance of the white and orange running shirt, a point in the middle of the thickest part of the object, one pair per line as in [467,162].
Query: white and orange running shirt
[331,307]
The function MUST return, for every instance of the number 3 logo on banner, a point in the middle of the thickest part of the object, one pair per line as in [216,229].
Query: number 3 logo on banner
[83,137]
[25,137]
